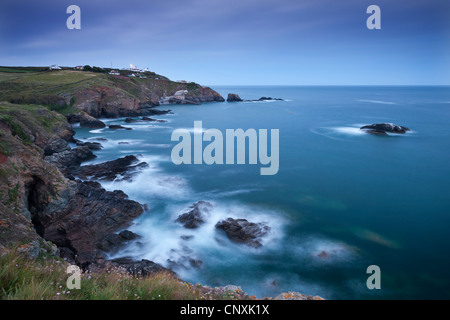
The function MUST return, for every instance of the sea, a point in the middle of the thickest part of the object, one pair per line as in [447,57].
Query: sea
[342,201]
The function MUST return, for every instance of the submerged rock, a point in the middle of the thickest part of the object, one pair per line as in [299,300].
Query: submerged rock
[268,99]
[243,231]
[196,216]
[131,120]
[117,126]
[153,120]
[382,128]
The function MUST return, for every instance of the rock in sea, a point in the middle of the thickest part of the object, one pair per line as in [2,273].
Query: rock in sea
[196,216]
[382,128]
[232,97]
[243,231]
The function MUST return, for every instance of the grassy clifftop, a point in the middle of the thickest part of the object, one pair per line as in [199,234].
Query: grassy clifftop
[64,90]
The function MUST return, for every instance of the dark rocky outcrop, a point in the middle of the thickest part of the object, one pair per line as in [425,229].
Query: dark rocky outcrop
[382,128]
[91,145]
[232,97]
[69,160]
[83,217]
[85,120]
[155,112]
[114,241]
[243,231]
[268,99]
[196,215]
[118,126]
[120,169]
[131,120]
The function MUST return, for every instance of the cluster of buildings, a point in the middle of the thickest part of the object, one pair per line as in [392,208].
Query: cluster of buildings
[136,72]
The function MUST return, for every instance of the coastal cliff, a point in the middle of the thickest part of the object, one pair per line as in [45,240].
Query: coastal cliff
[40,206]
[43,208]
[98,94]
[45,213]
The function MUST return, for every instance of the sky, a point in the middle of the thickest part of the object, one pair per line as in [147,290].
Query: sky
[238,42]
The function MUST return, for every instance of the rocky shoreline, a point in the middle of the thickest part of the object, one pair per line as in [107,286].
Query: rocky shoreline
[60,207]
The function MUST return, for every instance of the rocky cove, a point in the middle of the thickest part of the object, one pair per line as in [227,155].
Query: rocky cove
[52,204]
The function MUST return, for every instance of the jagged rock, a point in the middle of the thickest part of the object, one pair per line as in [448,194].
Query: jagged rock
[232,97]
[382,128]
[114,241]
[243,231]
[91,145]
[70,160]
[153,120]
[55,145]
[88,215]
[85,120]
[196,216]
[120,169]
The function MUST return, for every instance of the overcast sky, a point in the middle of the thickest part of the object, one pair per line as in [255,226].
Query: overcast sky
[233,42]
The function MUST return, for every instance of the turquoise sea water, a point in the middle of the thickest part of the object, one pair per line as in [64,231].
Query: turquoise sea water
[362,199]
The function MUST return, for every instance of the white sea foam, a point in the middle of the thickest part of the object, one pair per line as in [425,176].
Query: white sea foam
[348,130]
[97,130]
[339,132]
[378,101]
[165,241]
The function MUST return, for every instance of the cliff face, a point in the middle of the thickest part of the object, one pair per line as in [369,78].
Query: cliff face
[98,94]
[40,202]
[39,206]
[131,100]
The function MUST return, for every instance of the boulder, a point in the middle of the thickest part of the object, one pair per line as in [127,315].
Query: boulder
[87,121]
[382,128]
[196,216]
[243,231]
[232,97]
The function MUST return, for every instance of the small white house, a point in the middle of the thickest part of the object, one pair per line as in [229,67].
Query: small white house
[55,67]
[114,73]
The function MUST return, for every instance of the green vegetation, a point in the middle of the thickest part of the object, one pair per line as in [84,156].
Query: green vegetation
[16,128]
[45,278]
[13,194]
